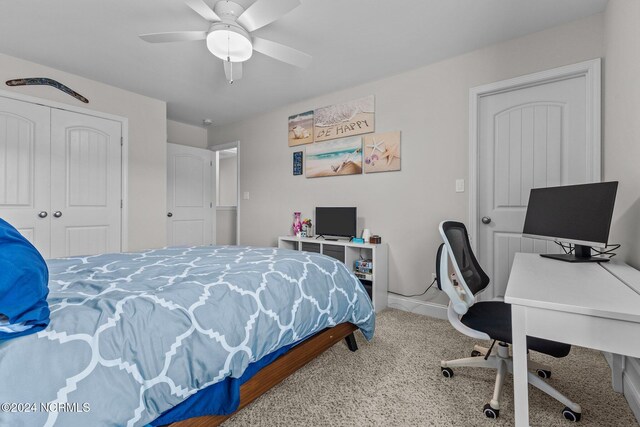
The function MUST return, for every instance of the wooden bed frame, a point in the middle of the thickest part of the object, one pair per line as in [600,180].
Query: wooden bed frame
[279,369]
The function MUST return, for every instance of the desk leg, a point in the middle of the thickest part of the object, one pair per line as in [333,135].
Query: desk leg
[616,372]
[520,382]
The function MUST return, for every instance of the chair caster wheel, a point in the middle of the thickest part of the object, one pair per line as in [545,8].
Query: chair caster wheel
[570,415]
[544,374]
[447,372]
[475,353]
[489,412]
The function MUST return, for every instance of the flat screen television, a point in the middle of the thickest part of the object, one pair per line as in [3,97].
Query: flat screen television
[334,221]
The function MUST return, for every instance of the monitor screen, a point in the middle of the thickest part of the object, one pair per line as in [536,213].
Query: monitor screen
[579,214]
[336,221]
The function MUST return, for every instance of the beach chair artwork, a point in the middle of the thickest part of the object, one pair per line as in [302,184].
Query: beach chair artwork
[334,158]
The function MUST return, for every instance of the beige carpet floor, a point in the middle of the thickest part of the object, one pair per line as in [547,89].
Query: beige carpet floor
[395,380]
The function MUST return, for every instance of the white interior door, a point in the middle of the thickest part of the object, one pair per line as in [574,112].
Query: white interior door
[534,136]
[85,184]
[190,207]
[25,171]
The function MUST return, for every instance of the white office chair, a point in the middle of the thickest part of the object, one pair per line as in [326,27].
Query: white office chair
[487,320]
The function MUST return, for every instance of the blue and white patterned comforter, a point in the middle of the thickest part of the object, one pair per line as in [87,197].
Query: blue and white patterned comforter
[132,335]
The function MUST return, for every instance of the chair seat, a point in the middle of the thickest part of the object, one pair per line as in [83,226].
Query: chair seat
[494,319]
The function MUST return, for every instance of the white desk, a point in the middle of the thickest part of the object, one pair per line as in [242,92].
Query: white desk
[583,304]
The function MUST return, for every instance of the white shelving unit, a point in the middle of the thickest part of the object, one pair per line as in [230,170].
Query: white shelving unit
[348,253]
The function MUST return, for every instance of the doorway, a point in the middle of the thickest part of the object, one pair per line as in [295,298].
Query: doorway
[227,158]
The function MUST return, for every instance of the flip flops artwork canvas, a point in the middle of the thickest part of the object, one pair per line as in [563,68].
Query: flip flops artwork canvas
[334,158]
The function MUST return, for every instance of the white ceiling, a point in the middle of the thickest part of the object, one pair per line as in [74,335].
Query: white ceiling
[352,41]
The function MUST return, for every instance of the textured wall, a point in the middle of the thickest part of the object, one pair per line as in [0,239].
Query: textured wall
[184,134]
[147,141]
[621,124]
[430,105]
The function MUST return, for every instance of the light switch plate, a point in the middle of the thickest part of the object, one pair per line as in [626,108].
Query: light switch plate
[245,196]
[459,185]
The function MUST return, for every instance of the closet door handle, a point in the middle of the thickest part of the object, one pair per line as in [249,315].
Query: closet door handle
[169,214]
[57,214]
[42,214]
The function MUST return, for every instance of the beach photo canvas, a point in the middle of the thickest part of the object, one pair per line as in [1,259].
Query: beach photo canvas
[342,120]
[334,158]
[301,129]
[382,152]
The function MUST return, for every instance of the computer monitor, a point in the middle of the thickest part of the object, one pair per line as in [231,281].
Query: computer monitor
[577,214]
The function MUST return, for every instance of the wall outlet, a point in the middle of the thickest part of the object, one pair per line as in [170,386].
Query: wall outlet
[459,185]
[433,276]
[246,195]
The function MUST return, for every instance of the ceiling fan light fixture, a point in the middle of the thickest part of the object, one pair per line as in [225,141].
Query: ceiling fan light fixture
[229,43]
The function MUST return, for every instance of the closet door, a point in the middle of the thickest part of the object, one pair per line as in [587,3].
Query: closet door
[25,170]
[85,184]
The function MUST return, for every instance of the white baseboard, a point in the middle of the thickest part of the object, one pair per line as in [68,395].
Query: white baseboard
[416,306]
[630,382]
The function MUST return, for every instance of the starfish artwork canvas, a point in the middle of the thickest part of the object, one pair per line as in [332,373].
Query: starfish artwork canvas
[382,152]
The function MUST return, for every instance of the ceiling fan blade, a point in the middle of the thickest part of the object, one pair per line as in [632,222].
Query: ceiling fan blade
[264,12]
[175,36]
[202,9]
[233,71]
[281,52]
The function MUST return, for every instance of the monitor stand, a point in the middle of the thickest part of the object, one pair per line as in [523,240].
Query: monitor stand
[581,253]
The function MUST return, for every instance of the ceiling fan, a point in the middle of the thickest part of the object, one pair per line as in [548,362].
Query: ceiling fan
[229,36]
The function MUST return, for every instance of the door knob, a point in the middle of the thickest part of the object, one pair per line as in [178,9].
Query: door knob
[169,214]
[42,214]
[57,214]
[486,220]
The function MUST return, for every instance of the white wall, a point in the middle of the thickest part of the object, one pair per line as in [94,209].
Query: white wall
[226,226]
[622,122]
[147,140]
[228,185]
[184,134]
[622,144]
[430,105]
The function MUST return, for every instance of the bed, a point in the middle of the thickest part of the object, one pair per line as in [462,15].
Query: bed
[136,336]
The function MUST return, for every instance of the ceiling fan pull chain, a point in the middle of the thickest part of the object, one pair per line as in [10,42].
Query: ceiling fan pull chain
[229,59]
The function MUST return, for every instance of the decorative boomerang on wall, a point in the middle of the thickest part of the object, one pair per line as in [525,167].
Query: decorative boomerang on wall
[47,82]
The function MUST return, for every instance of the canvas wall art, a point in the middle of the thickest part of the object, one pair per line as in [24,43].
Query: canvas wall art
[382,152]
[297,163]
[333,158]
[301,129]
[343,120]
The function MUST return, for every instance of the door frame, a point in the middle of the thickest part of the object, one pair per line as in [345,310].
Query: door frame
[226,146]
[590,69]
[124,151]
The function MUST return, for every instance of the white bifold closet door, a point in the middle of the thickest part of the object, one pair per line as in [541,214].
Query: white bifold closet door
[60,178]
[25,170]
[85,184]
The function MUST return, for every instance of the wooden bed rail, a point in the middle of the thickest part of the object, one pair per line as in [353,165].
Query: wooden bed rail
[274,373]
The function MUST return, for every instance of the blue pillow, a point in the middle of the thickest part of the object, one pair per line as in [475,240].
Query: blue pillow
[24,280]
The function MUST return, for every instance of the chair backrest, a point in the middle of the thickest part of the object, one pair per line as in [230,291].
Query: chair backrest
[470,277]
